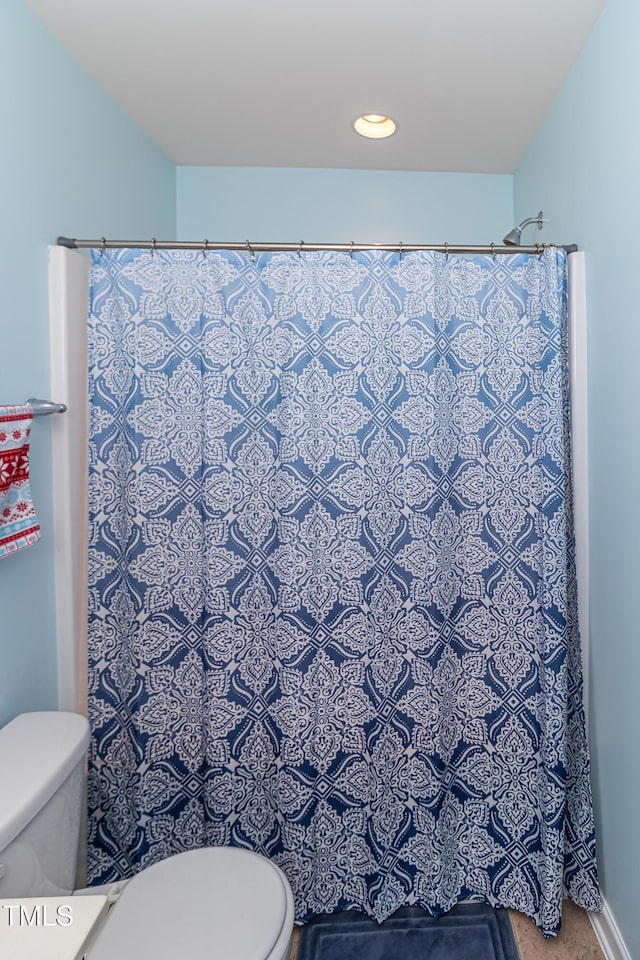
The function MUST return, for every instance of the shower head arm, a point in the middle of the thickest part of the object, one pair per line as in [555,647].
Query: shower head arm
[539,220]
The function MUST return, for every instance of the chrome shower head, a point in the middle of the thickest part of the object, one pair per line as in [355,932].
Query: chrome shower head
[512,239]
[514,236]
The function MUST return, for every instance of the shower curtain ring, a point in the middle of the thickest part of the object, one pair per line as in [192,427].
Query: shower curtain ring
[351,249]
[539,249]
[205,248]
[446,250]
[250,249]
[493,250]
[300,245]
[400,251]
[104,246]
[153,246]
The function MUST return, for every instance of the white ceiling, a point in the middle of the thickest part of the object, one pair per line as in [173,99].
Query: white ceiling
[278,82]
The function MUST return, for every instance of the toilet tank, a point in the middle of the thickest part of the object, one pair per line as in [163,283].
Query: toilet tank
[41,787]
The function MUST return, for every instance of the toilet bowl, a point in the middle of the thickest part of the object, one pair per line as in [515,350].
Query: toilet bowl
[218,902]
[214,903]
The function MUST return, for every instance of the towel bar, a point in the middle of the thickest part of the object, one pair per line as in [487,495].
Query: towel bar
[41,408]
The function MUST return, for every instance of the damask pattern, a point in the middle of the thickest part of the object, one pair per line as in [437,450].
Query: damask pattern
[332,589]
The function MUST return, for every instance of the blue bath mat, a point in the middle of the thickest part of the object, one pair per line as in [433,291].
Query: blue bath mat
[471,931]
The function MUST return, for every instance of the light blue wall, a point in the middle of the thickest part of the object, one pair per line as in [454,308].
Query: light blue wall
[71,163]
[582,169]
[275,203]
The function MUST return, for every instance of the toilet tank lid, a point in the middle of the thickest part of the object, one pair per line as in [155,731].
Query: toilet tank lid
[38,751]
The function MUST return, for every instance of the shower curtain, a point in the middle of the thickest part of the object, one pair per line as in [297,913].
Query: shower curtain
[332,587]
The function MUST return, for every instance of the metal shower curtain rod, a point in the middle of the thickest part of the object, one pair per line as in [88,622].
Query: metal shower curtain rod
[250,247]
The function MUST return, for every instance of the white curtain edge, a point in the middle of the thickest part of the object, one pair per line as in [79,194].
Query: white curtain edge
[68,305]
[580,445]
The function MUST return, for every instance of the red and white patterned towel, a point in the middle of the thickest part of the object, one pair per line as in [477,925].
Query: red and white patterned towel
[19,525]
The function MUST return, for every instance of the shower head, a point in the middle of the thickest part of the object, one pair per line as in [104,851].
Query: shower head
[512,239]
[514,236]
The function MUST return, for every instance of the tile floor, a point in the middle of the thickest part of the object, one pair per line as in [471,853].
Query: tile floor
[576,940]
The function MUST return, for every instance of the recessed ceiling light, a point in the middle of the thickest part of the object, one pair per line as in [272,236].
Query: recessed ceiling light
[374,126]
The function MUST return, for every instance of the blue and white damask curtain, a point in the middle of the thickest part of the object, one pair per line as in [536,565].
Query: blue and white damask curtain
[332,591]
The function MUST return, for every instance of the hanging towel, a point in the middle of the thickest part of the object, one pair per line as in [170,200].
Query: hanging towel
[19,525]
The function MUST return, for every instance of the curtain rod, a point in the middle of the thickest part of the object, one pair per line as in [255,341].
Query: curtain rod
[207,245]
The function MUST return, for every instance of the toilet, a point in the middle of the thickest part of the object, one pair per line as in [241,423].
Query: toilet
[214,903]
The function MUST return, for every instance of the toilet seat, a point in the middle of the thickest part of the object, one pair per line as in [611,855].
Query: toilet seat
[217,903]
